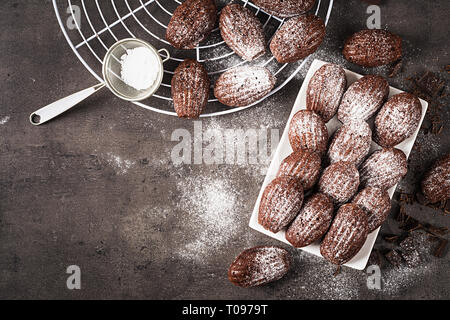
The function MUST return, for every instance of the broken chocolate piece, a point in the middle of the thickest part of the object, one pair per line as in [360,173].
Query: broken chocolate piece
[409,253]
[440,249]
[394,258]
[396,68]
[430,83]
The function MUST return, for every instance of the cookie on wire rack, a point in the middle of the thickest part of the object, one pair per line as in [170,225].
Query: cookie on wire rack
[191,23]
[190,89]
[285,8]
[242,86]
[242,31]
[297,38]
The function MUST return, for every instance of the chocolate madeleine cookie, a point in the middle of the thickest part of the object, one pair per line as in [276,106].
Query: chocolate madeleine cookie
[190,89]
[436,182]
[375,202]
[351,142]
[285,8]
[363,98]
[242,86]
[308,131]
[302,165]
[242,31]
[280,203]
[347,234]
[191,23]
[339,181]
[325,90]
[312,222]
[259,265]
[384,168]
[373,48]
[397,120]
[297,38]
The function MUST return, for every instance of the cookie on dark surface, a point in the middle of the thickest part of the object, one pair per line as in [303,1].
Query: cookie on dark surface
[383,168]
[191,23]
[436,182]
[285,8]
[242,31]
[242,86]
[325,90]
[376,203]
[351,142]
[363,98]
[308,131]
[312,222]
[397,120]
[190,89]
[259,265]
[339,181]
[281,201]
[373,48]
[302,165]
[347,235]
[297,38]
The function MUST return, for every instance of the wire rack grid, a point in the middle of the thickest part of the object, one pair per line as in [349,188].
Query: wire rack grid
[98,24]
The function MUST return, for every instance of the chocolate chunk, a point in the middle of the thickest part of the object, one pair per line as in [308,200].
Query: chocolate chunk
[394,258]
[430,83]
[409,253]
[441,248]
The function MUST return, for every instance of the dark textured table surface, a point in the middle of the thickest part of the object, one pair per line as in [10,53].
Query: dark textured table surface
[97,187]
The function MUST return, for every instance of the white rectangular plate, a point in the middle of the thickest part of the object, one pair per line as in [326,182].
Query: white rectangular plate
[284,149]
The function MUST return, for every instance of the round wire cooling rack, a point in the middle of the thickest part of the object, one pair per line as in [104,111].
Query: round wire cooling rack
[92,26]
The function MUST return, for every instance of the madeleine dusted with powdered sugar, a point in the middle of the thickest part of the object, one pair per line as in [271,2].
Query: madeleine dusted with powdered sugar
[351,142]
[190,89]
[376,203]
[363,98]
[259,265]
[308,131]
[436,182]
[312,222]
[384,168]
[191,23]
[325,90]
[242,86]
[339,181]
[373,48]
[302,165]
[281,201]
[242,32]
[297,38]
[346,236]
[285,8]
[397,120]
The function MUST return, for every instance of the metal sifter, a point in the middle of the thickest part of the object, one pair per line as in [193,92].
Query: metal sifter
[111,74]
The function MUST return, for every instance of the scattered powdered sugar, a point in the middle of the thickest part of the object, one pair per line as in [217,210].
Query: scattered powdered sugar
[211,207]
[4,120]
[122,165]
